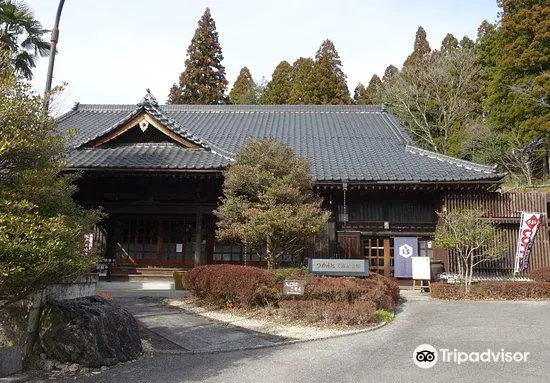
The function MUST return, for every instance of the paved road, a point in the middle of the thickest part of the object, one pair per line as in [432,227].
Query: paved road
[189,331]
[384,355]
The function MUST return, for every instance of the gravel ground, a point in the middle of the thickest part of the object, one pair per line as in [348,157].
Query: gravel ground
[285,330]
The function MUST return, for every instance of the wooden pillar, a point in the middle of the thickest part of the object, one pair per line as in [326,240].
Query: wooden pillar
[198,239]
[387,258]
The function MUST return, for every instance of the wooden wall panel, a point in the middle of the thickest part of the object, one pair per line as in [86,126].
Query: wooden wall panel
[504,211]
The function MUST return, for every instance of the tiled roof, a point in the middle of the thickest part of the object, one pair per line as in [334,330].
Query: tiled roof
[146,156]
[355,143]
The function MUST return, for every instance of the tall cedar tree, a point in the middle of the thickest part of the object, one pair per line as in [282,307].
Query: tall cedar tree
[301,91]
[421,48]
[21,36]
[244,89]
[372,93]
[328,78]
[277,91]
[517,56]
[359,95]
[268,201]
[203,80]
[390,71]
[449,42]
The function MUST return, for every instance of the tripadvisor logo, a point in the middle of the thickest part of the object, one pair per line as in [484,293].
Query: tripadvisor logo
[426,356]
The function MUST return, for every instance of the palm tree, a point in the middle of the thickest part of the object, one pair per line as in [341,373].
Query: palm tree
[21,36]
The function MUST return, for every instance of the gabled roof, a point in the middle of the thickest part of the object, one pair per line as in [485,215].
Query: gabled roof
[348,142]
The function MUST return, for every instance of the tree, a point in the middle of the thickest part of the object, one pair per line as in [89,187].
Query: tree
[516,58]
[449,42]
[203,80]
[389,73]
[41,228]
[328,78]
[372,93]
[471,239]
[435,98]
[359,95]
[268,201]
[301,91]
[421,48]
[244,90]
[467,43]
[21,36]
[277,91]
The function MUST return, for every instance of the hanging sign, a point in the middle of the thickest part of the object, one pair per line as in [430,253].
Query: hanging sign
[530,223]
[405,248]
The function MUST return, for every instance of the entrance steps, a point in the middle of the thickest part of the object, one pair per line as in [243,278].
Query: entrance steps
[143,274]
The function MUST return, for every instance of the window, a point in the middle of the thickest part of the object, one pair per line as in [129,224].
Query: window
[425,248]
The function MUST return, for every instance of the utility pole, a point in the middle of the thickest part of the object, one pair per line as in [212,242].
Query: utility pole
[53,47]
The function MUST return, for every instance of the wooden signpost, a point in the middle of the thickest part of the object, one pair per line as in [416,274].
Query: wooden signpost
[294,287]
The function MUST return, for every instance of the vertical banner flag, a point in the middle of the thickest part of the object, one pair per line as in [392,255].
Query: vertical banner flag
[528,229]
[404,248]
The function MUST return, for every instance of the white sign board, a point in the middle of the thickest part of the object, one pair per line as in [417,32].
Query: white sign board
[179,247]
[339,266]
[421,268]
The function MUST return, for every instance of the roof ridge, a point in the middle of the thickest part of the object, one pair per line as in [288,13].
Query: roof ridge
[451,160]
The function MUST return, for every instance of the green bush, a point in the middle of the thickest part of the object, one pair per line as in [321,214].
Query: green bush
[36,251]
[383,316]
[492,291]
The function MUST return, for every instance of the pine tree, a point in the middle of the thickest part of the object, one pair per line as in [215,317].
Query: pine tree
[359,94]
[449,42]
[301,91]
[467,43]
[277,91]
[421,48]
[203,80]
[390,71]
[328,78]
[372,93]
[244,89]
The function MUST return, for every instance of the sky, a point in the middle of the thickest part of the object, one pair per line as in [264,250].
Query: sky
[110,51]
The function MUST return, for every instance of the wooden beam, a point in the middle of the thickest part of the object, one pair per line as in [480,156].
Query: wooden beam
[143,116]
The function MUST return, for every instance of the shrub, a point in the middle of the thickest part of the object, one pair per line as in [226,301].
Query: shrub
[542,273]
[384,292]
[493,290]
[289,273]
[329,313]
[383,316]
[239,285]
[179,280]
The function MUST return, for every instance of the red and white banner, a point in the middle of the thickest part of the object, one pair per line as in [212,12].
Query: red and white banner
[528,229]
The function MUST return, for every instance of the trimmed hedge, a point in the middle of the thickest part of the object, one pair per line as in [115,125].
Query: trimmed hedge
[382,291]
[329,313]
[326,300]
[492,291]
[542,273]
[232,285]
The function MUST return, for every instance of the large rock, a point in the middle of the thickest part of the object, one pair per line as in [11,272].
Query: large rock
[89,331]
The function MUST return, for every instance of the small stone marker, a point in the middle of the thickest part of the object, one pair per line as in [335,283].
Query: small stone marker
[293,287]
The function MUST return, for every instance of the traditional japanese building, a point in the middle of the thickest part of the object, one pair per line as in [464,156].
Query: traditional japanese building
[157,171]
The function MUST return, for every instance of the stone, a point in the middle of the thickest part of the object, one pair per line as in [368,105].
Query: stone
[43,356]
[90,331]
[74,367]
[11,361]
[48,365]
[104,368]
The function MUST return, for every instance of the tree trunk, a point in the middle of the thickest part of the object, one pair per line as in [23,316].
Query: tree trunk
[269,254]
